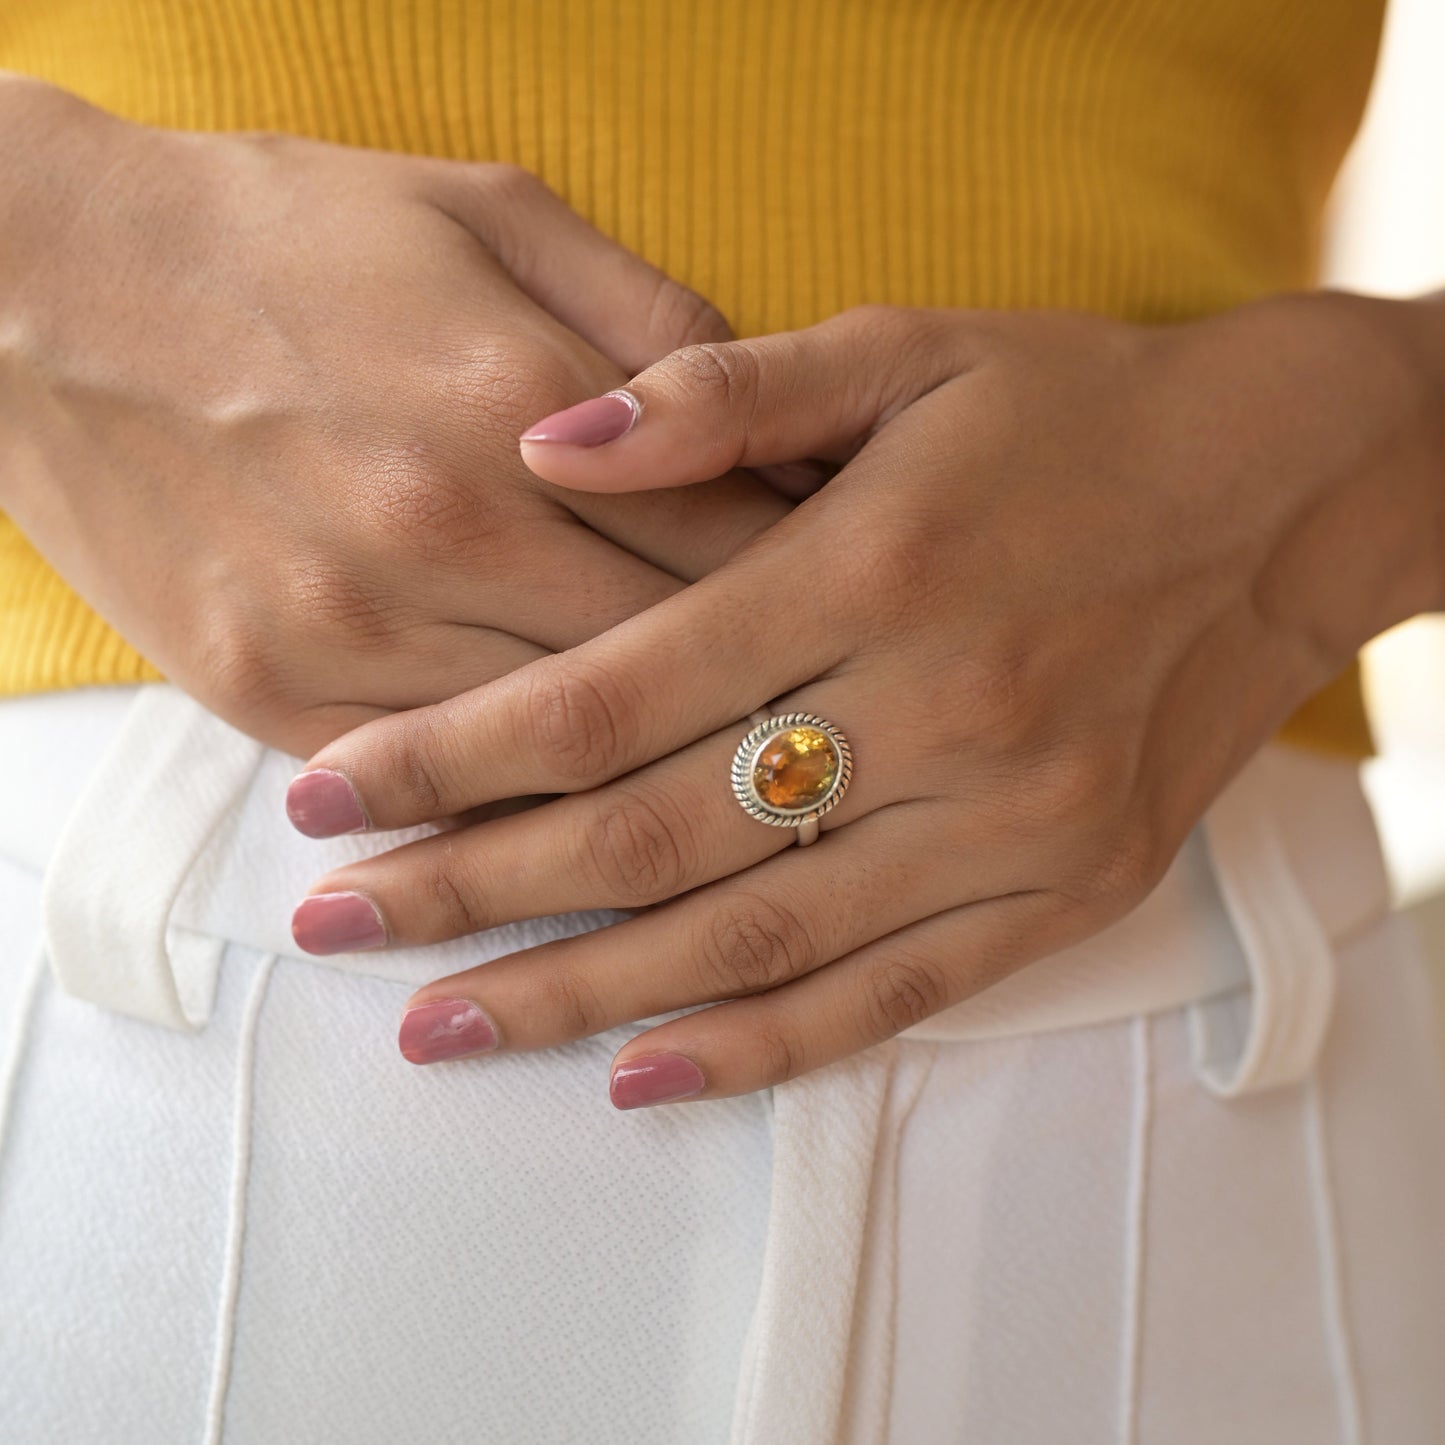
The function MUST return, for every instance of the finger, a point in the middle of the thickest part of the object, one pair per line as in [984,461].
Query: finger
[765,401]
[864,998]
[686,531]
[788,610]
[589,585]
[429,522]
[360,684]
[797,480]
[786,917]
[567,724]
[628,310]
[421,667]
[657,833]
[630,313]
[301,731]
[412,667]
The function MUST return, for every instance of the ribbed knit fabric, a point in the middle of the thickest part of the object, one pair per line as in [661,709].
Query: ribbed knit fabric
[1152,159]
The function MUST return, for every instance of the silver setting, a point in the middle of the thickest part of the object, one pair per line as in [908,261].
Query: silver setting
[746,757]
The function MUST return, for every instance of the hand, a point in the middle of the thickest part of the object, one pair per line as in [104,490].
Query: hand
[1072,573]
[260,400]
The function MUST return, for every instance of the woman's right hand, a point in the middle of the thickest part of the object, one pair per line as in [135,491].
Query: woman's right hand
[258,403]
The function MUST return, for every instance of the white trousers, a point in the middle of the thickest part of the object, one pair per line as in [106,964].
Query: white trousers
[1182,1184]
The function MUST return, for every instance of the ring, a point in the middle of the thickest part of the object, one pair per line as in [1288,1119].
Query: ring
[790,770]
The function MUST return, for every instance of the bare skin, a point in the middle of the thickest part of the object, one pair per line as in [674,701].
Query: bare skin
[1070,576]
[259,399]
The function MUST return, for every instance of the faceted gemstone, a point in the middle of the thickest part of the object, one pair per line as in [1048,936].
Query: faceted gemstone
[796,768]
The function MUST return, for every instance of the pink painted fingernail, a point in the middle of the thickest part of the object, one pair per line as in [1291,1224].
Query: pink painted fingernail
[323,804]
[656,1079]
[445,1028]
[589,423]
[337,923]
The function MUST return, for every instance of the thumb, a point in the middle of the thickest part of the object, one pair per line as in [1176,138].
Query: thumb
[764,402]
[623,307]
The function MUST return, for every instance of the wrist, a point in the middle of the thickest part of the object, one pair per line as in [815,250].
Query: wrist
[1414,332]
[1422,324]
[1364,544]
[53,143]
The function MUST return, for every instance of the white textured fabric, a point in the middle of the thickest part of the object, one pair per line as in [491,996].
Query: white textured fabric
[1094,1247]
[1042,1225]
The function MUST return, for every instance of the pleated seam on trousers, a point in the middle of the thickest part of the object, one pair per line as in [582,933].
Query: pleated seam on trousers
[20,1040]
[1141,1119]
[827,1131]
[873,1343]
[236,1216]
[1334,1315]
[891,1219]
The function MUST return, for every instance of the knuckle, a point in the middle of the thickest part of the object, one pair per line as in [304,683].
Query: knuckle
[918,348]
[909,332]
[572,1005]
[781,1054]
[453,909]
[888,585]
[264,142]
[880,568]
[581,719]
[513,201]
[415,769]
[1114,867]
[910,338]
[419,505]
[992,701]
[506,183]
[722,374]
[1078,786]
[334,600]
[242,659]
[753,945]
[874,321]
[639,852]
[1133,862]
[680,317]
[903,992]
[485,395]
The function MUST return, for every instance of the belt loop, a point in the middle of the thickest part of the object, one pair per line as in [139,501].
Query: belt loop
[1272,1035]
[826,1136]
[170,777]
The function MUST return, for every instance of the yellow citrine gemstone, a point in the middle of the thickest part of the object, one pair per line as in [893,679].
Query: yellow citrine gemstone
[795,768]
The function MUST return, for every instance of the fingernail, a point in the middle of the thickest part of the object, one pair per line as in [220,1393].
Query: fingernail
[589,423]
[322,804]
[337,923]
[657,1079]
[445,1028]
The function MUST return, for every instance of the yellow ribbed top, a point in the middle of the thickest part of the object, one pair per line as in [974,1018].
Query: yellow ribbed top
[1152,159]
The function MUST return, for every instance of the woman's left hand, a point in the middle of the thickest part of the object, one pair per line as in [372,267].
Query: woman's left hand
[1071,574]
